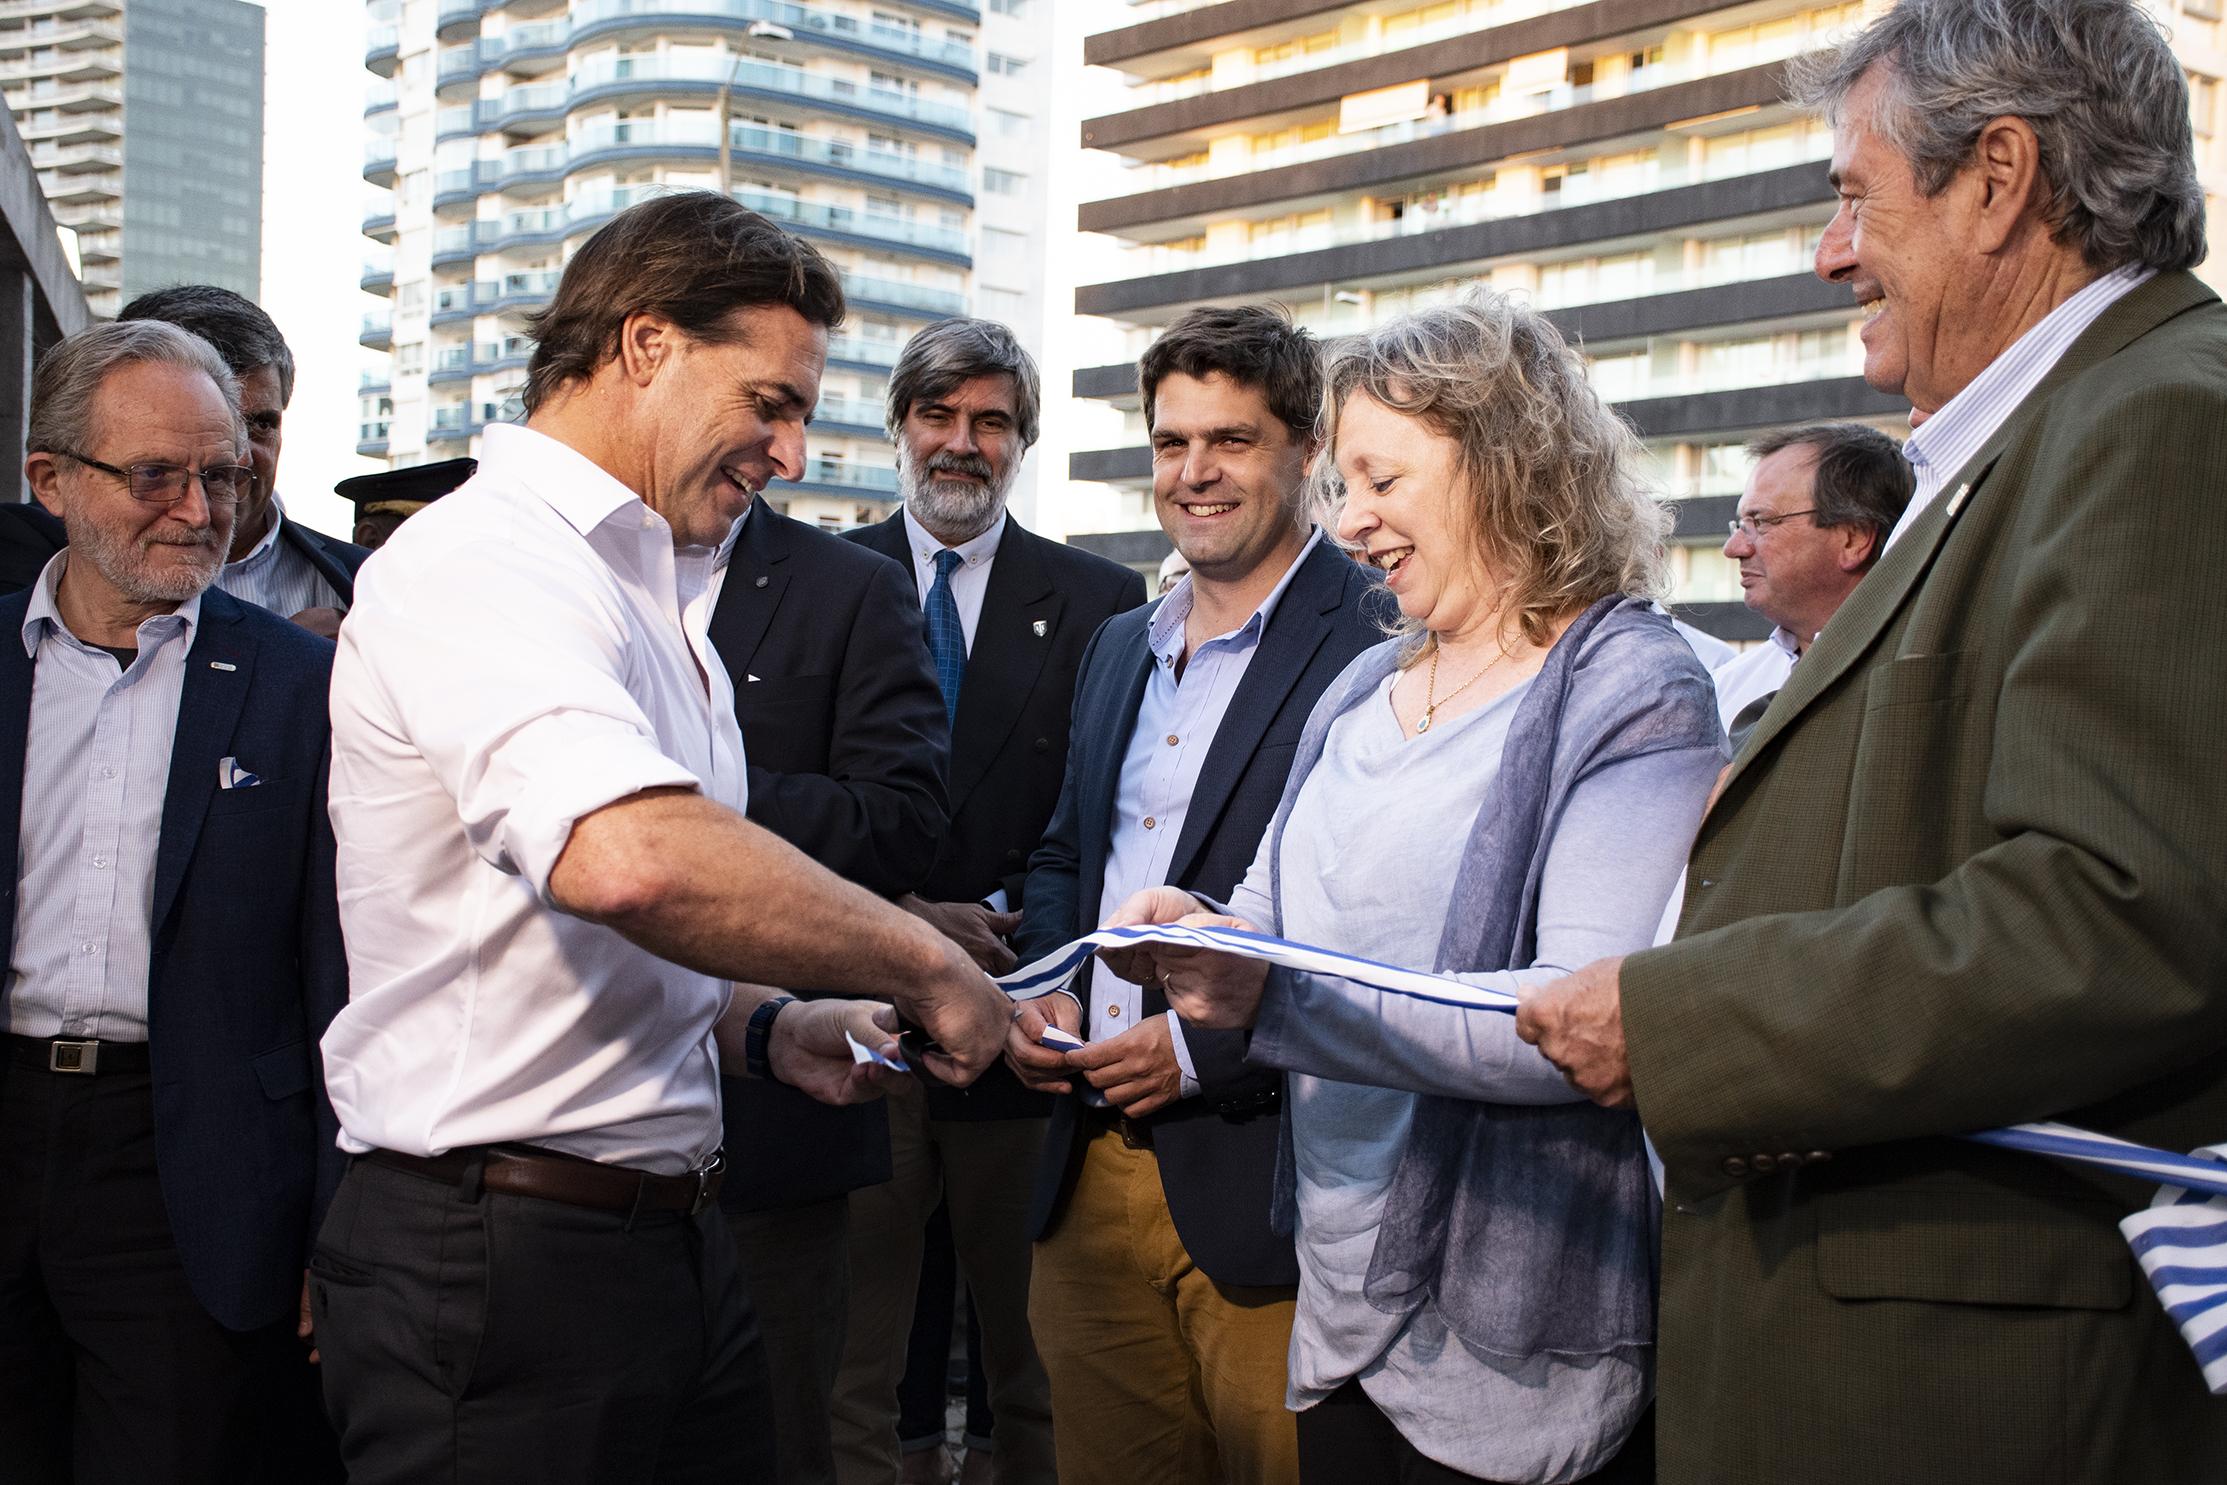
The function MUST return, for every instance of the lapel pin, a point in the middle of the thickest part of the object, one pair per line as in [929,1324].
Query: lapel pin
[761,581]
[222,665]
[1956,501]
[1042,628]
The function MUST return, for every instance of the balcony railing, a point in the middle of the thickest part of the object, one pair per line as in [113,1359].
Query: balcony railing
[805,21]
[553,97]
[872,478]
[748,140]
[912,296]
[863,349]
[815,215]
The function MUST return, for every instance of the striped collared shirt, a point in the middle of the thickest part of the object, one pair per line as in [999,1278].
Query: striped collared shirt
[1948,440]
[96,766]
[276,576]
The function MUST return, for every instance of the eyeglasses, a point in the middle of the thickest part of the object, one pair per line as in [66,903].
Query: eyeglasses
[1753,527]
[165,484]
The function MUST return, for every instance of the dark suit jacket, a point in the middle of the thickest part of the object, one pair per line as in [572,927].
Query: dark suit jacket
[1217,1152]
[29,536]
[247,968]
[844,734]
[335,560]
[1009,743]
[1966,872]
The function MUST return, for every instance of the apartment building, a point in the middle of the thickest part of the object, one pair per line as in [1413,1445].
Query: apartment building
[144,120]
[501,133]
[1628,164]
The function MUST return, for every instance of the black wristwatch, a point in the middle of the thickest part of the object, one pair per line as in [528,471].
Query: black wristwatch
[758,1034]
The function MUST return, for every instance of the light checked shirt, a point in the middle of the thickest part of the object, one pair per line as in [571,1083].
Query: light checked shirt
[96,771]
[521,654]
[1947,441]
[969,580]
[1176,724]
[277,577]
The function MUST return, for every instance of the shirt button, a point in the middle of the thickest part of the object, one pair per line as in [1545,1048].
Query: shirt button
[88,947]
[108,773]
[100,861]
[1113,1013]
[1148,822]
[1173,739]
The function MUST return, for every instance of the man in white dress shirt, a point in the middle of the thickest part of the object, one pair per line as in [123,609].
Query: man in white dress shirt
[549,889]
[1814,518]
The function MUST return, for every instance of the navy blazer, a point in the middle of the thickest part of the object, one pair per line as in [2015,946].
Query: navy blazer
[1009,742]
[246,968]
[843,737]
[336,561]
[1217,1152]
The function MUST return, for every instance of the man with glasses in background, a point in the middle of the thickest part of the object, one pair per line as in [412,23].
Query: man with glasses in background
[174,947]
[1814,518]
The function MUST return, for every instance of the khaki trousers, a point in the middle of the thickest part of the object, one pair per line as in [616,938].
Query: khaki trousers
[1159,1374]
[985,1170]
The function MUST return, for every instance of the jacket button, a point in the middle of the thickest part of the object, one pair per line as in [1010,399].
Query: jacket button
[1013,855]
[1819,1157]
[1762,1165]
[1043,745]
[1734,1167]
[1791,1162]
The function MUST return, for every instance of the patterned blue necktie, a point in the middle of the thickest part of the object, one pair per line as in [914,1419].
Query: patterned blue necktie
[947,639]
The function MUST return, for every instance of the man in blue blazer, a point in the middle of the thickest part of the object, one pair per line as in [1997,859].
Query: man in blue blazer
[174,948]
[1162,1299]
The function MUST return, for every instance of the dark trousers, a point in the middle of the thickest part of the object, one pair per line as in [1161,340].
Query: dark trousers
[110,1369]
[1346,1440]
[796,1274]
[475,1338]
[922,1392]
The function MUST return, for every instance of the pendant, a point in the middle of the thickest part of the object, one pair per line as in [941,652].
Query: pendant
[1424,725]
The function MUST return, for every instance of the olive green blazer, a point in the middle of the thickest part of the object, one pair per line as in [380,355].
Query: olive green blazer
[1970,870]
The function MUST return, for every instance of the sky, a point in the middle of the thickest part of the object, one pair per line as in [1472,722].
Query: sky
[313,247]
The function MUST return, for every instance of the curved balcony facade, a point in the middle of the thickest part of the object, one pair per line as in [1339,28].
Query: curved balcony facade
[537,42]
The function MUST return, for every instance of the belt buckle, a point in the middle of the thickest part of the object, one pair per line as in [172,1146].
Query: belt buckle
[77,1055]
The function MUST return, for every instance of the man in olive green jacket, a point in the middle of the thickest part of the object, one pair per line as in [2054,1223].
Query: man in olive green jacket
[1971,868]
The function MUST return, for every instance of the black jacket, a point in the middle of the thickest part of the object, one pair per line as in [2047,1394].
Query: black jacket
[1217,1152]
[1009,744]
[844,737]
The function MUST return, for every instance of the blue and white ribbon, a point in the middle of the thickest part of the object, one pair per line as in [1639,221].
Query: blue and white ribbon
[2180,1239]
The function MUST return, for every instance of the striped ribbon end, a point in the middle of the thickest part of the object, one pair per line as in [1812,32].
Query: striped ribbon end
[2180,1240]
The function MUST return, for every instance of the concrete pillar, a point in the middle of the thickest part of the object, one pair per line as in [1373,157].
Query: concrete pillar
[18,297]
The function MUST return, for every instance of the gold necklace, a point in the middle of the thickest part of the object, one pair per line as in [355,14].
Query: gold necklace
[1431,699]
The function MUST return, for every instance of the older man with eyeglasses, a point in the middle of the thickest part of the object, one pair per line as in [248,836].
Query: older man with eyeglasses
[173,946]
[1813,520]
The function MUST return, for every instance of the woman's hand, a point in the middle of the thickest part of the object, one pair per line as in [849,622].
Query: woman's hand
[1205,986]
[1152,905]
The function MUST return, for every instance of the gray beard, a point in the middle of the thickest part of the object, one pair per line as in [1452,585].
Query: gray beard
[954,511]
[123,564]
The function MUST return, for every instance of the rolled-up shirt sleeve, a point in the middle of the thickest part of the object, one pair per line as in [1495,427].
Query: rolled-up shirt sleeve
[530,726]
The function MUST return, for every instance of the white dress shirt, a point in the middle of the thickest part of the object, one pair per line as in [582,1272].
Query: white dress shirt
[1177,721]
[1754,673]
[1947,441]
[522,653]
[969,580]
[96,768]
[275,576]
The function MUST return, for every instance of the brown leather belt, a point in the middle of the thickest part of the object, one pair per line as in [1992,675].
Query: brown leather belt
[522,1170]
[1106,1119]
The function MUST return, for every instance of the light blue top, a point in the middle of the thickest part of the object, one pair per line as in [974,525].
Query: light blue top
[1371,851]
[1177,720]
[96,768]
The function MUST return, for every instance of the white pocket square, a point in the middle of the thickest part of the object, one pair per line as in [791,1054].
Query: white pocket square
[231,776]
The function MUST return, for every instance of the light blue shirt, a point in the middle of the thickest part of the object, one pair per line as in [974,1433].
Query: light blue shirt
[1176,725]
[96,766]
[1947,441]
[276,576]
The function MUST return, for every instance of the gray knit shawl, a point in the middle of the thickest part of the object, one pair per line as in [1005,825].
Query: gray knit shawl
[1532,1228]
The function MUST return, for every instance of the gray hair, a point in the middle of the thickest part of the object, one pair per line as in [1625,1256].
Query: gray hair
[1861,478]
[1550,490]
[71,372]
[949,352]
[2097,82]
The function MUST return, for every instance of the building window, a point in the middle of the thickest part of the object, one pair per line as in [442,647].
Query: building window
[1003,182]
[1009,7]
[1008,123]
[1005,66]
